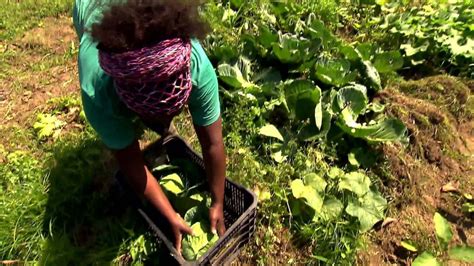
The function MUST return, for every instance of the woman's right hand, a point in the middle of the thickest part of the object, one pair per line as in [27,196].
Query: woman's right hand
[179,227]
[142,181]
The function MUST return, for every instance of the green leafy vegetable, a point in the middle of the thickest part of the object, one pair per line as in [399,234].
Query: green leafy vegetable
[196,214]
[315,181]
[318,31]
[361,157]
[411,51]
[308,193]
[335,72]
[48,126]
[164,167]
[302,97]
[388,61]
[355,182]
[237,75]
[318,114]
[408,246]
[372,75]
[335,173]
[369,209]
[463,253]
[193,205]
[332,209]
[194,246]
[350,52]
[271,131]
[311,131]
[426,259]
[386,130]
[172,184]
[353,97]
[442,229]
[366,51]
[291,49]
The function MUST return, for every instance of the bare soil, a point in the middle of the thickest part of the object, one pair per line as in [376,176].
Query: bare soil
[40,69]
[438,114]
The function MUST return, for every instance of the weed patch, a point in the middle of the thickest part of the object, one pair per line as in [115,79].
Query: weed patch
[414,174]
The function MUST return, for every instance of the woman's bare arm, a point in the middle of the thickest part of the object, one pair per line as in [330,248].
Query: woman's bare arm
[132,164]
[213,152]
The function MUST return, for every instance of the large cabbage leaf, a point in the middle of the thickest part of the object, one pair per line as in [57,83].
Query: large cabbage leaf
[388,61]
[270,130]
[308,193]
[302,97]
[318,31]
[353,97]
[369,209]
[172,184]
[238,75]
[335,72]
[194,246]
[372,75]
[312,131]
[365,51]
[389,129]
[291,49]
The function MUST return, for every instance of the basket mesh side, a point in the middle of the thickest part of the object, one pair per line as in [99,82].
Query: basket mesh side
[239,204]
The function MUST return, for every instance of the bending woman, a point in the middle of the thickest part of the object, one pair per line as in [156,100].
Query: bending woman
[141,60]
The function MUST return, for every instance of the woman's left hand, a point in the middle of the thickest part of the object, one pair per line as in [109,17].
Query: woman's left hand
[213,152]
[216,216]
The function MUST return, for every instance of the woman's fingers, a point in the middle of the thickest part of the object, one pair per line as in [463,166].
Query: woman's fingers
[221,227]
[186,229]
[213,225]
[178,237]
[180,228]
[216,216]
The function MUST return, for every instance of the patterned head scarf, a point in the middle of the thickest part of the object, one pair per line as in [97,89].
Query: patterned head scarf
[152,81]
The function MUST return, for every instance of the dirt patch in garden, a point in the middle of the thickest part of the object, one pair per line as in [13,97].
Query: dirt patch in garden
[41,65]
[438,114]
[55,35]
[277,245]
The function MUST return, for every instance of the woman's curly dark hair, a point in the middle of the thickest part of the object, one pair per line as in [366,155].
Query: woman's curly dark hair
[136,24]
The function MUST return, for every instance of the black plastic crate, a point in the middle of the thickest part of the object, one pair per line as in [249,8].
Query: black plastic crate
[240,207]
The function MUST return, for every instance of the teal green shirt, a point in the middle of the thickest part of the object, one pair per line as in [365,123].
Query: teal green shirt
[109,117]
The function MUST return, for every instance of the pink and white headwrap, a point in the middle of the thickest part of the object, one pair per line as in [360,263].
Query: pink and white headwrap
[152,81]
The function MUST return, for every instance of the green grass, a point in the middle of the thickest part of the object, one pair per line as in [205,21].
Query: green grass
[55,195]
[62,209]
[16,17]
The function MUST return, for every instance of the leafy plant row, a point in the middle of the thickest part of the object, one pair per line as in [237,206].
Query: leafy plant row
[309,86]
[316,82]
[437,35]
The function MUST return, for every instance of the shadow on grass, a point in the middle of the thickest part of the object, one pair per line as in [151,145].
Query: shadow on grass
[88,220]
